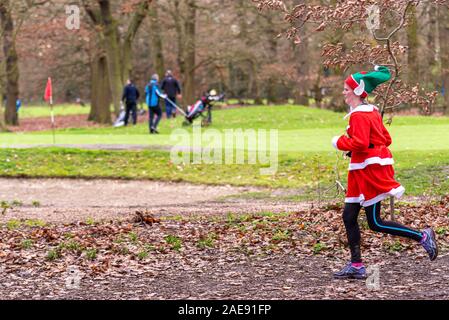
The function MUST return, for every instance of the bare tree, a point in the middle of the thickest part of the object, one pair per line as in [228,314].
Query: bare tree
[443,30]
[412,42]
[187,56]
[157,51]
[118,50]
[11,67]
[346,16]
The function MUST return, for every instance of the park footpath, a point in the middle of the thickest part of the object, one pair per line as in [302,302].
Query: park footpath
[216,244]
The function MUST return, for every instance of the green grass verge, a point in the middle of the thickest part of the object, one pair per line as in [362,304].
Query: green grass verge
[418,171]
[306,158]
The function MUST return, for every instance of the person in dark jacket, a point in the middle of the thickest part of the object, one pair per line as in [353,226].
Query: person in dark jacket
[170,86]
[130,96]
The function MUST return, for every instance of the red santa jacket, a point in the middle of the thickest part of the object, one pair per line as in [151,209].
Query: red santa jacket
[367,138]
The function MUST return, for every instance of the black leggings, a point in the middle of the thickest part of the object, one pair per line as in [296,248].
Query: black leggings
[375,223]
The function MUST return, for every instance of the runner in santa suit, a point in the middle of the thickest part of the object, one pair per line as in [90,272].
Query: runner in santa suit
[371,174]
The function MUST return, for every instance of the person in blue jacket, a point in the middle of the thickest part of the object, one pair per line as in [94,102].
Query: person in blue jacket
[18,104]
[153,94]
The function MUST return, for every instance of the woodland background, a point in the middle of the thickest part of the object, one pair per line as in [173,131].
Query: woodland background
[231,46]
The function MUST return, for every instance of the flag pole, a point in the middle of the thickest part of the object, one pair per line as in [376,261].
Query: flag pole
[52,119]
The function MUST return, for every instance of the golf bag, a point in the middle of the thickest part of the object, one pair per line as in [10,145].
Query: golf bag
[200,107]
[120,121]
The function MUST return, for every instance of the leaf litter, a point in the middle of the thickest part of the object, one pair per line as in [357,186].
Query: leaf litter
[236,256]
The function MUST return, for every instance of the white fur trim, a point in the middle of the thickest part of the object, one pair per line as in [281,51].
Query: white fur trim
[395,192]
[355,199]
[367,162]
[362,108]
[334,141]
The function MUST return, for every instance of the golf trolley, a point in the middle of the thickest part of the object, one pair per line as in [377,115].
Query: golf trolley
[200,108]
[197,110]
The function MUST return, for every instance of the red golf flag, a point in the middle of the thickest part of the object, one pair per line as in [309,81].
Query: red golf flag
[48,92]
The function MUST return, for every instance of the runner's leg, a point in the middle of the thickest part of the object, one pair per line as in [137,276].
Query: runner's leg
[376,223]
[350,215]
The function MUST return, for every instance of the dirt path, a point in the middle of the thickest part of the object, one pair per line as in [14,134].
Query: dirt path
[238,277]
[69,200]
[245,261]
[62,122]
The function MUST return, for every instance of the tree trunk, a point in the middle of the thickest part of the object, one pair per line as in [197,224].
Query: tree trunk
[2,122]
[134,25]
[189,54]
[443,30]
[2,73]
[2,68]
[254,87]
[112,47]
[412,41]
[118,54]
[12,66]
[271,90]
[127,65]
[251,62]
[100,93]
[301,56]
[302,71]
[430,58]
[156,41]
[93,89]
[317,95]
[336,102]
[179,38]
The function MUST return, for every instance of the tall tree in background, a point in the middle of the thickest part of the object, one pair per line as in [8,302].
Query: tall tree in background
[271,32]
[250,58]
[100,111]
[429,49]
[157,52]
[11,65]
[100,94]
[188,60]
[2,76]
[443,30]
[381,47]
[184,16]
[302,61]
[229,45]
[118,47]
[412,42]
[139,13]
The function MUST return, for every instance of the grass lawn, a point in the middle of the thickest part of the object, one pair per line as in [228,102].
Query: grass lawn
[59,110]
[306,157]
[418,171]
[300,129]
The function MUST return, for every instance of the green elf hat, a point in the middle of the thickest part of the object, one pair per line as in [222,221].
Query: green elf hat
[365,82]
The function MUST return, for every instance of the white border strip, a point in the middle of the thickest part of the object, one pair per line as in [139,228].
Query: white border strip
[396,192]
[362,108]
[373,160]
